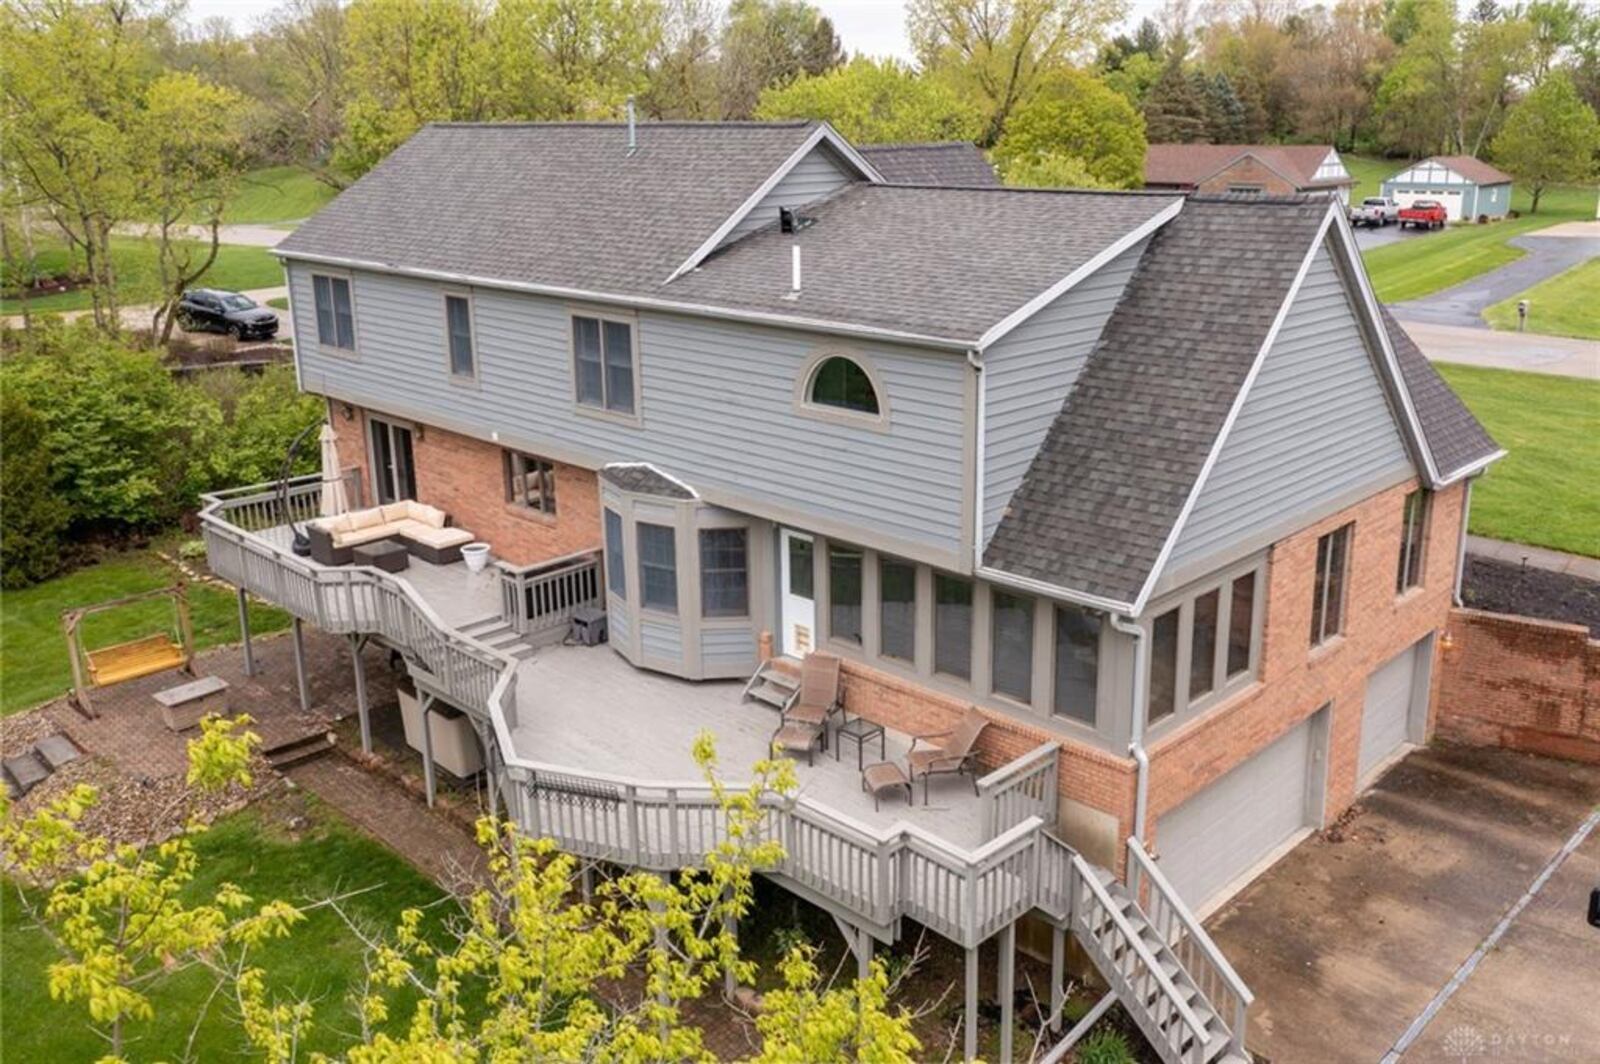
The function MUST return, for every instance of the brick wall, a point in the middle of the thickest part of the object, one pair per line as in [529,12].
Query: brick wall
[465,477]
[1249,172]
[1522,684]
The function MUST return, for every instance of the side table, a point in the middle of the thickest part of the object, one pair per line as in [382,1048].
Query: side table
[862,731]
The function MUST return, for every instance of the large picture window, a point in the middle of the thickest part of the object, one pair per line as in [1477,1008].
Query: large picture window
[952,626]
[658,567]
[844,593]
[616,561]
[1077,663]
[336,320]
[897,618]
[724,573]
[1327,593]
[1413,534]
[530,483]
[602,350]
[1011,664]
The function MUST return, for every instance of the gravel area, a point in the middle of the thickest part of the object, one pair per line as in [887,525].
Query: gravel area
[1504,588]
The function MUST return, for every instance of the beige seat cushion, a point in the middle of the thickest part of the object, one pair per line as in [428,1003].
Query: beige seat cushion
[370,534]
[437,538]
[424,514]
[360,519]
[396,511]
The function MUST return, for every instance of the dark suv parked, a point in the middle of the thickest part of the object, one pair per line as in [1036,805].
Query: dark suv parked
[213,311]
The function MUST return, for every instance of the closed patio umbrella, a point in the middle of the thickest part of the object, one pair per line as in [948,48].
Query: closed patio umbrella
[333,496]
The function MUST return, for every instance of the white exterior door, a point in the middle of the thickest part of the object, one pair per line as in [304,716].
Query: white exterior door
[797,561]
[1210,841]
[1392,696]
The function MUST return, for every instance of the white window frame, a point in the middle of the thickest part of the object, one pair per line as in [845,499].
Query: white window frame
[1223,686]
[1409,577]
[316,315]
[1321,635]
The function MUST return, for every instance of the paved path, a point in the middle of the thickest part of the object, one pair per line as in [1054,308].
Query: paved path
[1531,352]
[256,236]
[1554,561]
[1463,304]
[138,317]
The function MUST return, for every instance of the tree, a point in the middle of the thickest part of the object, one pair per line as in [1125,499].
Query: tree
[875,101]
[1074,116]
[1051,170]
[1225,114]
[1173,112]
[997,52]
[1418,102]
[32,515]
[1549,137]
[301,45]
[682,68]
[568,59]
[1340,57]
[771,42]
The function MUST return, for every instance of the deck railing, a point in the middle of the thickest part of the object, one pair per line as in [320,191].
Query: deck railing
[540,599]
[1020,789]
[1194,949]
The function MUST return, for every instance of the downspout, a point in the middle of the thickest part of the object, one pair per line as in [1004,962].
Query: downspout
[1461,546]
[1141,760]
[975,360]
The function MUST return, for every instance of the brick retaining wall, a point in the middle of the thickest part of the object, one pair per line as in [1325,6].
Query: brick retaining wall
[1522,684]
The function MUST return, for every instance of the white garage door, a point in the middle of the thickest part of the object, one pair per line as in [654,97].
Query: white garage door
[1451,200]
[1211,840]
[1392,691]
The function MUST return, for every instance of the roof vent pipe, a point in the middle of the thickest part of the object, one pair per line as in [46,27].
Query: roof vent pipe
[633,128]
[794,271]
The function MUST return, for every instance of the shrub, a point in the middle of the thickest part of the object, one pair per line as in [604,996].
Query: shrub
[1105,1046]
[32,516]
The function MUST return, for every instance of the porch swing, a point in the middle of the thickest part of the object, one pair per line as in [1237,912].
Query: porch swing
[170,648]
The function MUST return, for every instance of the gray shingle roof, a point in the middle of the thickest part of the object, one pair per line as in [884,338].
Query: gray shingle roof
[1112,475]
[943,262]
[559,204]
[638,479]
[1453,436]
[955,164]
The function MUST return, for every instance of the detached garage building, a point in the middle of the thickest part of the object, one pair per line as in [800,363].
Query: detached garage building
[1468,187]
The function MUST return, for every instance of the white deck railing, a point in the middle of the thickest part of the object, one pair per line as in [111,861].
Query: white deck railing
[541,599]
[877,874]
[1020,789]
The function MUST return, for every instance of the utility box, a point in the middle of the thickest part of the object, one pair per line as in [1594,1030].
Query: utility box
[588,626]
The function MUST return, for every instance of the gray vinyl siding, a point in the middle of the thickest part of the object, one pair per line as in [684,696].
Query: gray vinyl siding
[660,640]
[619,621]
[727,651]
[1030,371]
[821,173]
[1315,427]
[717,403]
[1493,200]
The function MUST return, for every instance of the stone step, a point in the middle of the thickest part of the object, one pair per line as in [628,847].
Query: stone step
[300,748]
[24,772]
[480,625]
[56,750]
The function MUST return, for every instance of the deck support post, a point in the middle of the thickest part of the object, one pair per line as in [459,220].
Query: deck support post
[491,751]
[969,1014]
[244,633]
[864,957]
[362,709]
[1058,957]
[586,882]
[1006,975]
[297,630]
[428,779]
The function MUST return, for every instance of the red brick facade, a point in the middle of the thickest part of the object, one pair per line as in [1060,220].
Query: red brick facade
[1249,171]
[465,477]
[1522,684]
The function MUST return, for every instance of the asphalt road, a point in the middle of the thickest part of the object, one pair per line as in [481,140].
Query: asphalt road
[1463,304]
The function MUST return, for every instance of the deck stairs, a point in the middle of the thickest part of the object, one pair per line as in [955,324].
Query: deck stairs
[775,686]
[1142,966]
[494,632]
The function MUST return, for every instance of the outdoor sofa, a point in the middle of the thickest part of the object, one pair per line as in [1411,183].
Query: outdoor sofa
[425,531]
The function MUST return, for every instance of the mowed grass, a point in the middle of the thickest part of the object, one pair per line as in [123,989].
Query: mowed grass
[1421,266]
[277,194]
[139,275]
[1543,491]
[320,962]
[34,664]
[1567,304]
[1370,172]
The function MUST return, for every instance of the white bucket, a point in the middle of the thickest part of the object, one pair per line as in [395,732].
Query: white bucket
[476,555]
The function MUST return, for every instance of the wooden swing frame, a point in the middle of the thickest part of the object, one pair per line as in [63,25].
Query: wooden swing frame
[130,660]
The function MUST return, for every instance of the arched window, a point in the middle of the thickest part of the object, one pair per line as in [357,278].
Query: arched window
[841,382]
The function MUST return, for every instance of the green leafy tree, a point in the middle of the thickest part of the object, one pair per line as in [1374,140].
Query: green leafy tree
[998,52]
[1051,170]
[875,101]
[1550,137]
[1074,116]
[1174,113]
[1134,76]
[1418,101]
[32,515]
[569,59]
[1225,114]
[771,42]
[682,68]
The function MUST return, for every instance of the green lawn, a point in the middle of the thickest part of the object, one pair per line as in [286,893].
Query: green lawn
[34,666]
[319,962]
[1543,491]
[138,274]
[278,194]
[1420,266]
[1369,172]
[1567,304]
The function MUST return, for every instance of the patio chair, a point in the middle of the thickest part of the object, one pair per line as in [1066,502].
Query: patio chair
[954,751]
[795,738]
[818,698]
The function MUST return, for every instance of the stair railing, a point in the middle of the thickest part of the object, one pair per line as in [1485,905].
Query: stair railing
[1194,949]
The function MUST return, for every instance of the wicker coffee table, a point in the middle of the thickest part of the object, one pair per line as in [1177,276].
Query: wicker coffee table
[386,554]
[883,776]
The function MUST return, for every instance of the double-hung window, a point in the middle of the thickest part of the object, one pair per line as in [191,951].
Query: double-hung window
[844,593]
[1327,594]
[458,328]
[336,321]
[616,561]
[724,573]
[1413,533]
[658,567]
[530,483]
[603,364]
[897,609]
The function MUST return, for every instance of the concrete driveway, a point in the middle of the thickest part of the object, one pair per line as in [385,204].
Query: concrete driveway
[1529,352]
[1348,940]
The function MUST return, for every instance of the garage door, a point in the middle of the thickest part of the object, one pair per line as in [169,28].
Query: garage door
[1211,840]
[1392,691]
[1452,200]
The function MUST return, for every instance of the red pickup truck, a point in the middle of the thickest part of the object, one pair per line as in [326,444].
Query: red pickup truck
[1424,214]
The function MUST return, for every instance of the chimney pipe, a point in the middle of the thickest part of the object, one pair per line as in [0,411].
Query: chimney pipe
[794,270]
[633,129]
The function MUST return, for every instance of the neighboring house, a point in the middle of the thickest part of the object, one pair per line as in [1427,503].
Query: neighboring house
[1469,188]
[1252,169]
[955,163]
[1149,480]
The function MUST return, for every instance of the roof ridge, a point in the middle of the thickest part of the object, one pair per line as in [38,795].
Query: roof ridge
[1027,189]
[643,123]
[909,145]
